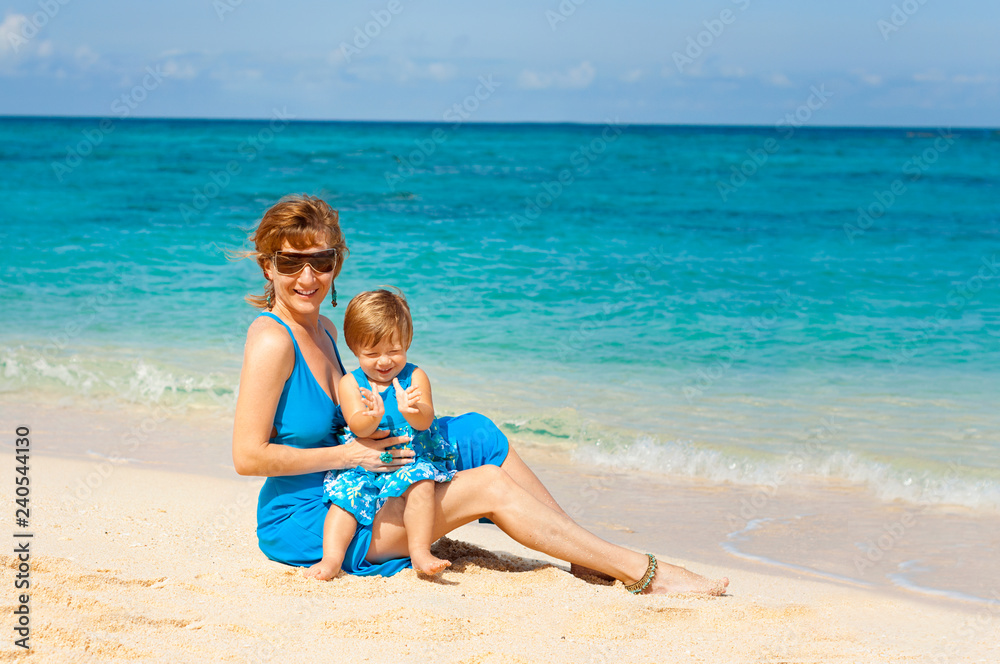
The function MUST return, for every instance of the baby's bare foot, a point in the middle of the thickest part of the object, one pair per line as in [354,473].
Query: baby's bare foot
[428,563]
[674,580]
[322,571]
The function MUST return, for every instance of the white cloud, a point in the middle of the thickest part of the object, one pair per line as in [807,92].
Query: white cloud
[873,80]
[368,70]
[441,71]
[939,76]
[250,75]
[19,43]
[532,80]
[85,57]
[173,69]
[11,33]
[336,58]
[435,71]
[577,78]
[12,38]
[668,71]
[580,77]
[632,76]
[978,78]
[779,80]
[929,76]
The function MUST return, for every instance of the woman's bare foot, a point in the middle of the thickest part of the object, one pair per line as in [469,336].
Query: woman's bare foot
[674,580]
[428,563]
[322,571]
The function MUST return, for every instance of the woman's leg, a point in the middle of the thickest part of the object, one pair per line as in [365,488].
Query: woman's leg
[480,442]
[491,492]
[338,531]
[523,475]
[418,519]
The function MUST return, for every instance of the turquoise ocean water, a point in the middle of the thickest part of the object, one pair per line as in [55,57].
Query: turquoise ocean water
[739,304]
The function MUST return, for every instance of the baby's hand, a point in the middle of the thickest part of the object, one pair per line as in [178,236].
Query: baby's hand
[407,399]
[373,404]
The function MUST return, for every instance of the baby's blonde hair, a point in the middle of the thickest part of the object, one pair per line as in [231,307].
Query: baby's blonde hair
[376,315]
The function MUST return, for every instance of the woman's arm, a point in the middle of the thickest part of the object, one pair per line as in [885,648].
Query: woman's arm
[415,403]
[267,363]
[268,360]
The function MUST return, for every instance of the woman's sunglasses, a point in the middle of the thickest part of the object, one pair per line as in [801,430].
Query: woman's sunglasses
[290,264]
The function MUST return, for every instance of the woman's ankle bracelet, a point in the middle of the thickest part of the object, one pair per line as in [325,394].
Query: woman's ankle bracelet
[646,579]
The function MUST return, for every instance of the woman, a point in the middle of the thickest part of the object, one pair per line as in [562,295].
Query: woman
[288,400]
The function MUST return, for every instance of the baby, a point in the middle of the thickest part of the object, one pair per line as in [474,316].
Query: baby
[385,392]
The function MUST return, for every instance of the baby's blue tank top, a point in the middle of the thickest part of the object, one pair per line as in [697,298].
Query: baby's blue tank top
[393,420]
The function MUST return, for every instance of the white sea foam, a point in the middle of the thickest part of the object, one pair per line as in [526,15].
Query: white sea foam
[70,374]
[107,376]
[953,485]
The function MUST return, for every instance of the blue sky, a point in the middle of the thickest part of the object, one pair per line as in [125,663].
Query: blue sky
[876,62]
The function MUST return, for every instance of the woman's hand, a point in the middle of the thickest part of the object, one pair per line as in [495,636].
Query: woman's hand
[368,452]
[407,399]
[372,404]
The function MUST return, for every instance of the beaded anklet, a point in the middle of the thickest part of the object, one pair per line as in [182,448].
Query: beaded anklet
[646,579]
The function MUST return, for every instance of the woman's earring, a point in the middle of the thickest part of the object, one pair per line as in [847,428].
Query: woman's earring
[269,292]
[333,296]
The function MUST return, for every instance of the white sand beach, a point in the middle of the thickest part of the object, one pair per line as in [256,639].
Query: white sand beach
[156,565]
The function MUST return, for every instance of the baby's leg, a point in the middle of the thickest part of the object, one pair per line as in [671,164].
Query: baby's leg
[418,518]
[338,531]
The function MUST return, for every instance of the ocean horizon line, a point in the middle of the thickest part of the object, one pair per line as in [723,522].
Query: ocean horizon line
[507,123]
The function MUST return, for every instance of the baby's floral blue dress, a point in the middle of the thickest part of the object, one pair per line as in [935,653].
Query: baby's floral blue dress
[362,492]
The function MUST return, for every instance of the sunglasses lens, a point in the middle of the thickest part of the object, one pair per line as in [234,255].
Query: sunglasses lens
[289,265]
[322,264]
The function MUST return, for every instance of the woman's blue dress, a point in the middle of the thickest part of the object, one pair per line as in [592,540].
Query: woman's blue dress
[362,493]
[291,510]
